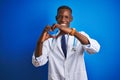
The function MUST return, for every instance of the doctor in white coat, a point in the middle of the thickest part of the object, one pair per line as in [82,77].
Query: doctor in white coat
[69,66]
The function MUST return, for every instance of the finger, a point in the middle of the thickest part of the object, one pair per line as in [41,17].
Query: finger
[53,27]
[47,28]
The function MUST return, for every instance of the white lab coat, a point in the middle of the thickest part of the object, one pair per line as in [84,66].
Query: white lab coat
[70,68]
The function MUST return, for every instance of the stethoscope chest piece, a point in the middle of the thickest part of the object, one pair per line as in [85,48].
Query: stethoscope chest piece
[73,49]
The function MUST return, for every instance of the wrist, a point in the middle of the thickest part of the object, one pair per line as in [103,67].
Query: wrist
[39,43]
[72,33]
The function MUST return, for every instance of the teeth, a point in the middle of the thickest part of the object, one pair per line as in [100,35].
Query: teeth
[63,24]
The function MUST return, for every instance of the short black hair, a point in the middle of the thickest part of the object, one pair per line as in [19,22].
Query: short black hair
[64,7]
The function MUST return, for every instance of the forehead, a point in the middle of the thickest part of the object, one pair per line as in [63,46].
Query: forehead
[64,11]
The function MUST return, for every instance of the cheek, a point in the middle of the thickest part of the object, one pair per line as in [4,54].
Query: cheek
[68,21]
[58,19]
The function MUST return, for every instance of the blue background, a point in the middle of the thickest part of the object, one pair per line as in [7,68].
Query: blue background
[21,23]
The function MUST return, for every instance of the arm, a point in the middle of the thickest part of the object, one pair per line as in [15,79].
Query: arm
[38,58]
[83,39]
[90,45]
[93,46]
[43,37]
[43,58]
[66,30]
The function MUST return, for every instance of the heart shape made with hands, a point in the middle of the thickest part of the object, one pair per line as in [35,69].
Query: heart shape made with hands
[53,32]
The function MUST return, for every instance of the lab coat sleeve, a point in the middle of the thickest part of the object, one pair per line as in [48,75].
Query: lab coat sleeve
[93,47]
[41,60]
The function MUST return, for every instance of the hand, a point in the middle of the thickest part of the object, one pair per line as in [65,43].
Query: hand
[63,28]
[55,26]
[45,34]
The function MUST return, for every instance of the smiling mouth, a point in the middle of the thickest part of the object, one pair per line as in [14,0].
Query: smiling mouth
[63,24]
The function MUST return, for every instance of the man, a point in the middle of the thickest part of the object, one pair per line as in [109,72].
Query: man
[64,63]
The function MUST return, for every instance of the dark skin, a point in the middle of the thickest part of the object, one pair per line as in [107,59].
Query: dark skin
[64,16]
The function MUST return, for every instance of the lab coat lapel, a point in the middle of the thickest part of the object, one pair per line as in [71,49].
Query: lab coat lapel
[70,45]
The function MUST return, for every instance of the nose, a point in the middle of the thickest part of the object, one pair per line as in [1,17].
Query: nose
[63,19]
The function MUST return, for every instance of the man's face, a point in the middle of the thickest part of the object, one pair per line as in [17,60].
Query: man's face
[64,16]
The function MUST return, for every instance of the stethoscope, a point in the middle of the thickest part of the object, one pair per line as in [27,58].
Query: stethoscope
[74,44]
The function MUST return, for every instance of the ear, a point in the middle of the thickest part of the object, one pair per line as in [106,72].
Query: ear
[56,18]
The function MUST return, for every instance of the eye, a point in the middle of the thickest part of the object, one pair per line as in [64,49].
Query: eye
[66,17]
[59,16]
